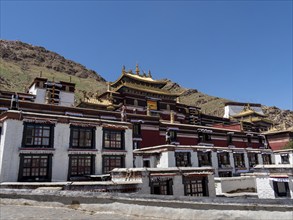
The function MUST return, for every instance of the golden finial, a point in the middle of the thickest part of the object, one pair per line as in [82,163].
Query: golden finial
[108,87]
[248,106]
[137,69]
[150,75]
[123,69]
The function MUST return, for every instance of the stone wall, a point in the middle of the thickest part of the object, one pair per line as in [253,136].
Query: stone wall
[230,184]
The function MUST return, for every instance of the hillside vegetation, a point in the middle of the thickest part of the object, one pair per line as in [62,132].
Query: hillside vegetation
[20,63]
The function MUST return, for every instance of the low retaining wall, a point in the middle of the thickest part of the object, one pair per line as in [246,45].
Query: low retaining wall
[235,184]
[200,203]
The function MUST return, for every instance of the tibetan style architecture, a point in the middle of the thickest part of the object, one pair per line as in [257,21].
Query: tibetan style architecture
[226,161]
[158,117]
[43,138]
[250,116]
[136,122]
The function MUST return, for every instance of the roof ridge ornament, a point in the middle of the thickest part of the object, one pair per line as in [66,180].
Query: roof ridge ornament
[149,74]
[123,69]
[137,69]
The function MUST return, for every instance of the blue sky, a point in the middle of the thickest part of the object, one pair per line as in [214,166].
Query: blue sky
[239,50]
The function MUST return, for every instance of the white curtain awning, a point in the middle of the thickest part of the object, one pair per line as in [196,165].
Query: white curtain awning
[279,179]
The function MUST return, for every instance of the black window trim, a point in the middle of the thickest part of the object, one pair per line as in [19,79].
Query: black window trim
[28,179]
[51,138]
[205,185]
[93,166]
[122,132]
[93,144]
[123,163]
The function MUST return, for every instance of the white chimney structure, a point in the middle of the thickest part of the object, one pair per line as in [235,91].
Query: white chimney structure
[51,92]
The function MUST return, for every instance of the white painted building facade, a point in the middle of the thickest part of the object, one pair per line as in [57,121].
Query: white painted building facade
[274,181]
[42,147]
[225,161]
[184,181]
[284,156]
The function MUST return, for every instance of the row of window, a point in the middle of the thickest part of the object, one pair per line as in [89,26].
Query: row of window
[193,186]
[207,137]
[183,159]
[39,167]
[42,136]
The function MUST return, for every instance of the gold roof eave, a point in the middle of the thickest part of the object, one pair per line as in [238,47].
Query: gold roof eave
[255,119]
[141,78]
[246,113]
[147,90]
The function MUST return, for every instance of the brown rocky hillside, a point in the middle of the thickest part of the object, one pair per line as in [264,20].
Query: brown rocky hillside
[20,63]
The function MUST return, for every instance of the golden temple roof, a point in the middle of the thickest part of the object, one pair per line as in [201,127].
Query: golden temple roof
[146,78]
[257,119]
[247,111]
[147,89]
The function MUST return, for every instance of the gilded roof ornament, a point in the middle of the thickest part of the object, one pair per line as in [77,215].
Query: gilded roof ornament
[123,69]
[149,74]
[108,87]
[137,69]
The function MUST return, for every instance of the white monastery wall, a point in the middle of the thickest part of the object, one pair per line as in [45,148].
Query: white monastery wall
[178,187]
[60,159]
[66,98]
[167,160]
[265,189]
[9,150]
[225,185]
[39,93]
[194,159]
[99,147]
[211,186]
[128,148]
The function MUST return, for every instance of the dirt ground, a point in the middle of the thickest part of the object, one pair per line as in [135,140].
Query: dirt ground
[28,209]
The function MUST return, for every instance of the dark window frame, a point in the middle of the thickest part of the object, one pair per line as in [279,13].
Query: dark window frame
[204,137]
[221,159]
[161,187]
[225,174]
[79,130]
[285,158]
[136,130]
[81,157]
[249,140]
[183,159]
[253,162]
[239,163]
[173,135]
[264,159]
[34,178]
[207,158]
[229,139]
[196,186]
[111,131]
[281,194]
[107,169]
[34,137]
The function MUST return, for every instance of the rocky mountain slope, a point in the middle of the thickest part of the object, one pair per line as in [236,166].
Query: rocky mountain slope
[20,63]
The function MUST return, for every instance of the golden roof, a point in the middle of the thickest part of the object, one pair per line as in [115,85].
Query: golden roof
[136,76]
[98,101]
[256,119]
[147,89]
[246,112]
